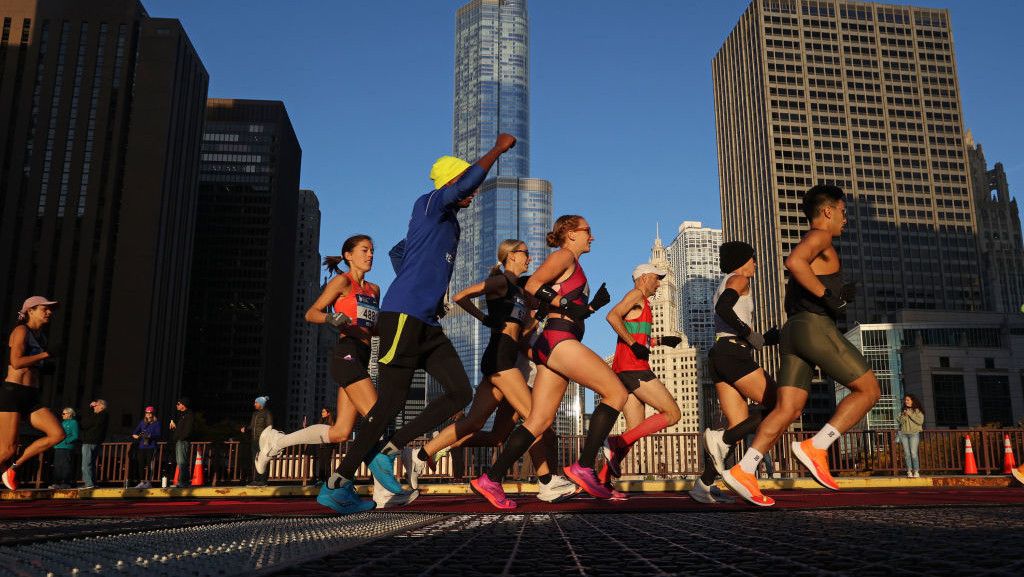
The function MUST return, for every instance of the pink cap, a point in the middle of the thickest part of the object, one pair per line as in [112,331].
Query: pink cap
[150,410]
[31,302]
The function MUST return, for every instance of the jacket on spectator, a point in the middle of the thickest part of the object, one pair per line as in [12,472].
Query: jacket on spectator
[94,427]
[149,434]
[70,434]
[183,426]
[259,421]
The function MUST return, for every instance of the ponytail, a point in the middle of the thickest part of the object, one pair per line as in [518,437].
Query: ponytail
[331,264]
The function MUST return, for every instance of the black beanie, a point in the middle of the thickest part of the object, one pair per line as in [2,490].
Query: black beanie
[733,255]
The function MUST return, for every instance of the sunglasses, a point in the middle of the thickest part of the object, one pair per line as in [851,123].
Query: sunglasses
[524,251]
[585,229]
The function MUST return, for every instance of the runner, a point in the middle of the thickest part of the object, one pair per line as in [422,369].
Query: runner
[409,327]
[815,297]
[19,395]
[631,320]
[561,356]
[731,363]
[355,303]
[503,387]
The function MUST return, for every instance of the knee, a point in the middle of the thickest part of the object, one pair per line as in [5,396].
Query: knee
[616,399]
[672,415]
[538,425]
[55,437]
[339,435]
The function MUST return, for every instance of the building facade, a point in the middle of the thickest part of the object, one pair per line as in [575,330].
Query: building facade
[999,234]
[241,313]
[967,368]
[864,96]
[302,374]
[492,95]
[102,114]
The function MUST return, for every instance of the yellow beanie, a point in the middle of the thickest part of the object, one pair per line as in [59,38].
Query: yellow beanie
[445,169]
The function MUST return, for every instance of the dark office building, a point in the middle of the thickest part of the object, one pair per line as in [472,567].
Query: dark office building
[243,267]
[101,112]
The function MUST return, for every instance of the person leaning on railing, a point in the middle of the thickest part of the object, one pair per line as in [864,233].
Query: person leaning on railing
[911,424]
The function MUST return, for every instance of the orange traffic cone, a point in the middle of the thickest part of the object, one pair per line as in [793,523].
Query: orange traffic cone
[197,471]
[970,466]
[1009,463]
[177,475]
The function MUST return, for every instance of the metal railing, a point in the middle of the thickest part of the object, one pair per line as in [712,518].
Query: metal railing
[858,453]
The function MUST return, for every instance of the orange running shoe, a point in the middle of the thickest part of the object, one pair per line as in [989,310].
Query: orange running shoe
[1018,473]
[745,485]
[816,460]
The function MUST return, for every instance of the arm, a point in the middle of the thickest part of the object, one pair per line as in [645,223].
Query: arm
[734,287]
[916,416]
[616,317]
[553,267]
[17,344]
[491,286]
[474,175]
[799,261]
[334,289]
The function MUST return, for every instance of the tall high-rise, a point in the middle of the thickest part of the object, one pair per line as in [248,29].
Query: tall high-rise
[864,96]
[999,234]
[240,309]
[492,95]
[102,113]
[304,358]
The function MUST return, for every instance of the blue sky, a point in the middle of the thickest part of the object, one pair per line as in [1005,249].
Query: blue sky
[621,100]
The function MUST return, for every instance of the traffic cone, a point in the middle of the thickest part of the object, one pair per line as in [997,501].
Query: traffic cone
[197,471]
[970,466]
[177,475]
[1009,463]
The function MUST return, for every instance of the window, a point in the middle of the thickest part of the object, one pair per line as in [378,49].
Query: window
[950,400]
[944,362]
[990,363]
[994,399]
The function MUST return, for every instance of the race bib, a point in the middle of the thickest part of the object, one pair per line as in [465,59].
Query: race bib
[519,310]
[367,311]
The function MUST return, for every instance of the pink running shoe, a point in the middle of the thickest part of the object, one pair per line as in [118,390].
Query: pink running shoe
[587,480]
[618,495]
[492,491]
[614,452]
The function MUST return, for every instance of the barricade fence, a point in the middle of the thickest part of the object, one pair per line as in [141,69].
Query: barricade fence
[662,456]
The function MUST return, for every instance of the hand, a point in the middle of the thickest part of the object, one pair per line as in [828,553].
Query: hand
[772,337]
[172,425]
[848,292]
[601,298]
[576,311]
[338,320]
[135,436]
[242,429]
[505,142]
[755,339]
[670,341]
[833,302]
[641,352]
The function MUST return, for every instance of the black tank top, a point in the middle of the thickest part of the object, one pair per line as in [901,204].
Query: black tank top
[35,343]
[512,306]
[799,299]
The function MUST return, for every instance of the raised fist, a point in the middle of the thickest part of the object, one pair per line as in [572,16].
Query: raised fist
[505,142]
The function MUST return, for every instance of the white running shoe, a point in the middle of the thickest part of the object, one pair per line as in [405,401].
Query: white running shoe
[716,447]
[558,490]
[414,466]
[386,499]
[268,448]
[701,493]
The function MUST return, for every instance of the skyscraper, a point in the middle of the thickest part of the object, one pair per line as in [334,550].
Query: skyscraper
[864,96]
[492,95]
[304,358]
[694,257]
[240,309]
[102,113]
[999,235]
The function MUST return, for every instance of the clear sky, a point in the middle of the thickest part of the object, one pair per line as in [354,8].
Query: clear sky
[621,100]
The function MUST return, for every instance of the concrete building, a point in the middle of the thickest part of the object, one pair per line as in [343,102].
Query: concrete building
[304,358]
[492,95]
[101,112]
[864,96]
[569,418]
[693,254]
[241,313]
[966,367]
[999,234]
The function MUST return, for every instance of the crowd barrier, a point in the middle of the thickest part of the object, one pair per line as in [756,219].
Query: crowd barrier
[858,453]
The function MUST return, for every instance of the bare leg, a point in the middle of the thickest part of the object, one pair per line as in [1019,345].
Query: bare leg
[484,403]
[864,394]
[354,400]
[44,421]
[633,411]
[8,435]
[790,404]
[654,394]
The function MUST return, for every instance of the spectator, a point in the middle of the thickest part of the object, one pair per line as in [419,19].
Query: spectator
[147,433]
[261,419]
[63,455]
[324,451]
[182,435]
[911,424]
[94,431]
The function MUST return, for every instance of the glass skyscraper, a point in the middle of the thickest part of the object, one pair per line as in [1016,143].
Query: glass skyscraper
[492,95]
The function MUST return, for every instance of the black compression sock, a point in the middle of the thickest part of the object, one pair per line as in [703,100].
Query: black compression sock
[545,478]
[601,423]
[518,442]
[710,474]
[748,425]
[423,456]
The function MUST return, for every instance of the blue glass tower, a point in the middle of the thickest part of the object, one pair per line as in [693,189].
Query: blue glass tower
[492,95]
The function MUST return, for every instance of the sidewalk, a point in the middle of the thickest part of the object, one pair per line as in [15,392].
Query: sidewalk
[637,487]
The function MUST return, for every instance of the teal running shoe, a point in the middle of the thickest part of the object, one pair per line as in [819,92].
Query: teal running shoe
[343,500]
[382,467]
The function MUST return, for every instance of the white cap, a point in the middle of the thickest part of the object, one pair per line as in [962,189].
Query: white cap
[645,268]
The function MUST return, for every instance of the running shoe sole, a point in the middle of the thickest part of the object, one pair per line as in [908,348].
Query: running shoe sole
[742,491]
[399,500]
[383,471]
[808,462]
[486,495]
[10,481]
[561,497]
[720,497]
[702,496]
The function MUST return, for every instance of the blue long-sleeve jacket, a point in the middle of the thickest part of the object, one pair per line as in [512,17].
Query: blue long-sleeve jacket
[149,434]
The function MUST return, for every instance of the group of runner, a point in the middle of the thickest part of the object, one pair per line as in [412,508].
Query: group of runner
[539,318]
